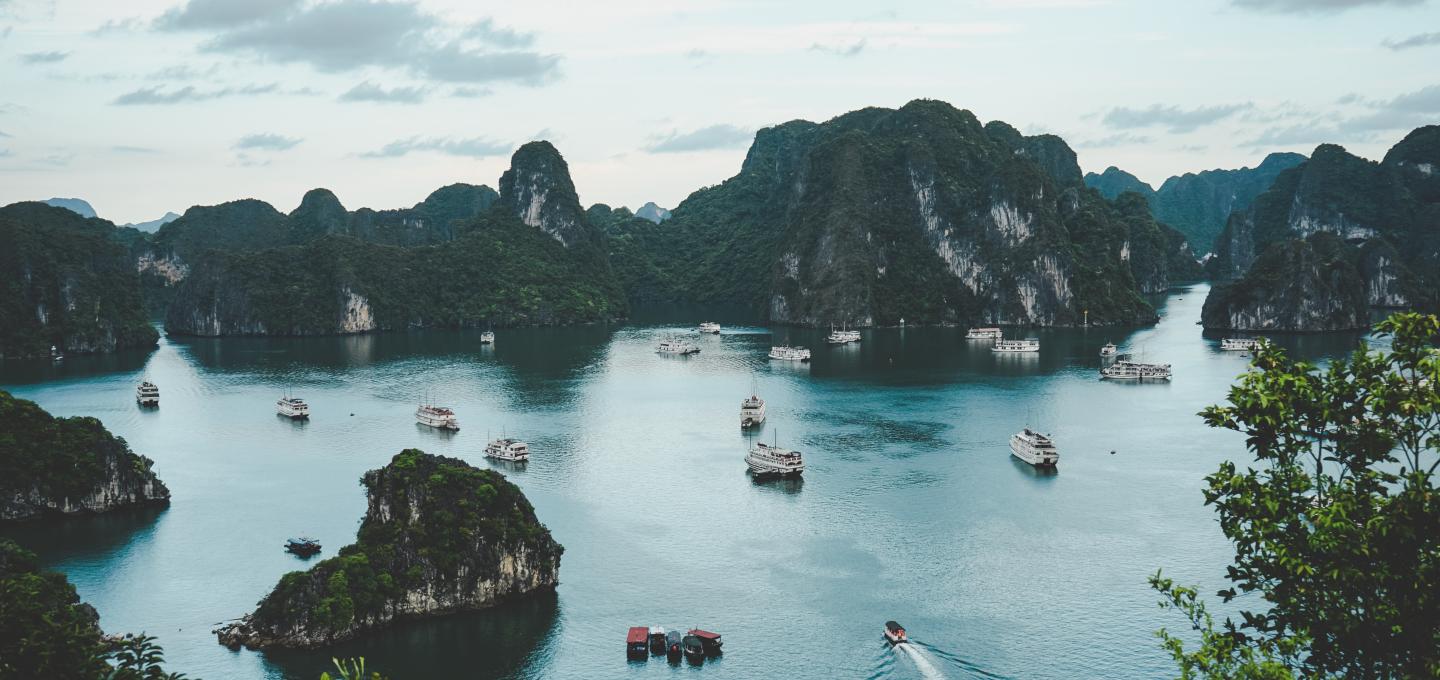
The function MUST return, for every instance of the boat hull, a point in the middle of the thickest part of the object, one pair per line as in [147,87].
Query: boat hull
[764,469]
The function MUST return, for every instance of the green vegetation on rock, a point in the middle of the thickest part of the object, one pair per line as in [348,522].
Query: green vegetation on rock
[439,536]
[65,281]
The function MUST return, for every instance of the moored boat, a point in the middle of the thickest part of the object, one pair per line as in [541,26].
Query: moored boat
[673,650]
[438,417]
[788,353]
[710,641]
[710,327]
[293,408]
[984,334]
[842,337]
[1034,448]
[637,642]
[676,347]
[752,411]
[769,459]
[1109,349]
[147,394]
[302,546]
[507,448]
[657,640]
[895,633]
[487,338]
[1239,344]
[1127,370]
[694,648]
[1026,345]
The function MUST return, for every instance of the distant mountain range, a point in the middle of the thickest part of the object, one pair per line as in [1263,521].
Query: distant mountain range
[652,212]
[1198,203]
[83,208]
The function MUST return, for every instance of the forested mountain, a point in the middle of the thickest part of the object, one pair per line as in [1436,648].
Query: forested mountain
[1198,203]
[920,213]
[652,212]
[1332,237]
[79,206]
[65,281]
[526,256]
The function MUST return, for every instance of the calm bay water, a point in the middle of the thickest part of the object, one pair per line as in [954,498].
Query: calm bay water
[911,507]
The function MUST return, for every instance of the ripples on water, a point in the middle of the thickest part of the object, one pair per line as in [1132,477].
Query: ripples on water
[911,507]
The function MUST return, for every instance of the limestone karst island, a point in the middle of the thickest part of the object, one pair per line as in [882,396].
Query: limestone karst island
[412,339]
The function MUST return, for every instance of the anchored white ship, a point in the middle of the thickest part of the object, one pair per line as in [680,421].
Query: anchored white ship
[788,353]
[487,338]
[147,394]
[1109,350]
[1125,369]
[984,334]
[1034,448]
[1026,345]
[1239,344]
[507,448]
[768,459]
[673,346]
[710,327]
[438,417]
[293,408]
[752,411]
[843,336]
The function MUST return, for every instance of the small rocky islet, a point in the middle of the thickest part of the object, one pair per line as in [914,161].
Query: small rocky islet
[439,536]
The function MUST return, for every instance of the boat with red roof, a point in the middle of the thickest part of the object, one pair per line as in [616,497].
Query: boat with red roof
[710,641]
[637,642]
[895,633]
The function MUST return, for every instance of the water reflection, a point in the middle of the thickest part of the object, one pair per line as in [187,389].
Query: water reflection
[499,642]
[62,539]
[783,485]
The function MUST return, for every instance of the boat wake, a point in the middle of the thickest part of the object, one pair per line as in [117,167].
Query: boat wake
[920,658]
[906,660]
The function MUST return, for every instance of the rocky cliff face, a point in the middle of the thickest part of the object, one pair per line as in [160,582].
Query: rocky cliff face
[67,283]
[1382,221]
[67,466]
[919,213]
[1299,285]
[1114,181]
[439,536]
[537,188]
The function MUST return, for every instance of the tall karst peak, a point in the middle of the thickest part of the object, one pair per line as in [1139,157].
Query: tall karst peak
[537,188]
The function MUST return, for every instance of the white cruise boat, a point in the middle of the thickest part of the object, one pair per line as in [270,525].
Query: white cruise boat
[679,347]
[438,417]
[1034,448]
[788,353]
[1125,369]
[293,408]
[487,338]
[710,327]
[1109,350]
[1026,345]
[984,334]
[843,336]
[752,411]
[1239,344]
[506,448]
[147,394]
[767,459]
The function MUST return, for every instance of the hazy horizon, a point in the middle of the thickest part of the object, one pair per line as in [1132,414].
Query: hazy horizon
[155,106]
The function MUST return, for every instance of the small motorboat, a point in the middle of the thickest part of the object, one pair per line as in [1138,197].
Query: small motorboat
[302,546]
[694,648]
[710,641]
[657,640]
[1109,350]
[487,338]
[673,650]
[895,633]
[637,643]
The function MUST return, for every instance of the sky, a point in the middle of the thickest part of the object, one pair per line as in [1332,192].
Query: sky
[147,106]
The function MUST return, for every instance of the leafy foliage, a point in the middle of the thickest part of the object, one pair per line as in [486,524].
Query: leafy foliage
[45,631]
[65,282]
[1334,528]
[137,657]
[351,669]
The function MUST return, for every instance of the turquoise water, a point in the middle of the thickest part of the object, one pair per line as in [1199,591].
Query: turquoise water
[911,507]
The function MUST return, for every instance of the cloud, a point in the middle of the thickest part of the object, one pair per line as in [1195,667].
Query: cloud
[121,148]
[1117,139]
[474,147]
[1318,6]
[370,92]
[266,141]
[222,14]
[840,50]
[44,57]
[720,136]
[110,26]
[1178,120]
[3,134]
[6,153]
[467,92]
[1417,40]
[158,96]
[182,72]
[347,35]
[1401,112]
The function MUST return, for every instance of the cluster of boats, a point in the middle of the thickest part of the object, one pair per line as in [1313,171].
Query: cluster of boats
[694,645]
[999,344]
